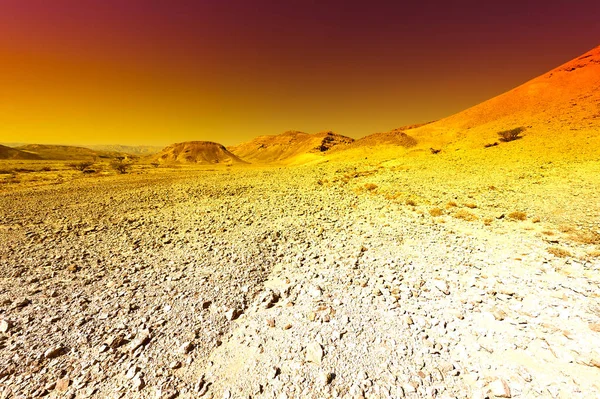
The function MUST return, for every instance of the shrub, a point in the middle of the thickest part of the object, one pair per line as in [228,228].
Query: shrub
[511,135]
[465,215]
[495,143]
[81,166]
[559,252]
[436,212]
[471,205]
[410,202]
[120,166]
[488,221]
[156,164]
[434,151]
[517,215]
[370,186]
[451,204]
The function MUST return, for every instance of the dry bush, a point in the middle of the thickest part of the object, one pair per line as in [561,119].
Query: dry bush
[436,212]
[517,215]
[511,134]
[410,202]
[370,186]
[565,228]
[586,237]
[80,166]
[120,166]
[471,205]
[536,220]
[488,221]
[548,232]
[594,254]
[156,164]
[465,215]
[451,204]
[559,252]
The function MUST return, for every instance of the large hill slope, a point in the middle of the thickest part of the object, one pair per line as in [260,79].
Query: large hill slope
[560,109]
[289,147]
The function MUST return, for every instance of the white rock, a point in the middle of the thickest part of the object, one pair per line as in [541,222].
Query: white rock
[314,353]
[500,389]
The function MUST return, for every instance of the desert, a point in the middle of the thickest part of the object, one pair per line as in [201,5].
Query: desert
[454,259]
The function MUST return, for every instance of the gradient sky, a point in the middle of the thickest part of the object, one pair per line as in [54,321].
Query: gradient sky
[164,71]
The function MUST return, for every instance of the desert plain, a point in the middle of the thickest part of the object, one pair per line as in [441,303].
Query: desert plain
[434,261]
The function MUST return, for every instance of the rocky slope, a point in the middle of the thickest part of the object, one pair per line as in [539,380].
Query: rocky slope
[197,152]
[288,146]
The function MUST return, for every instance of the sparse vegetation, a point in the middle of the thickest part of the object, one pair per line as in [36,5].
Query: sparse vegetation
[463,214]
[471,205]
[517,215]
[451,204]
[436,212]
[156,164]
[410,202]
[511,134]
[494,144]
[559,252]
[120,166]
[81,166]
[435,151]
[370,186]
[488,221]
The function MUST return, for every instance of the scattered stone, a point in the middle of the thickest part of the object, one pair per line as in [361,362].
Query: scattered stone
[5,325]
[232,314]
[186,348]
[442,286]
[62,384]
[138,383]
[141,339]
[500,388]
[314,353]
[54,352]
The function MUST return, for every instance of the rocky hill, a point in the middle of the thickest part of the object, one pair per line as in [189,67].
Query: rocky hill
[197,152]
[12,153]
[288,146]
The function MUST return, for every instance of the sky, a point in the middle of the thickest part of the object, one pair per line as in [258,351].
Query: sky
[155,72]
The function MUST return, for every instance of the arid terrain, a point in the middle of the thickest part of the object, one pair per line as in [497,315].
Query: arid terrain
[423,263]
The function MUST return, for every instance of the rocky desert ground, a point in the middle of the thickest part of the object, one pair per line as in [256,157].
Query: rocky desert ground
[455,275]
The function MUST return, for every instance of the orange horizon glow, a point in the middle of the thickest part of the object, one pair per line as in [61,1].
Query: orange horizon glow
[90,72]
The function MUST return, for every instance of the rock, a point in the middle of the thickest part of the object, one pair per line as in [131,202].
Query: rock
[138,383]
[21,303]
[116,341]
[62,384]
[5,325]
[326,378]
[175,365]
[595,327]
[232,314]
[442,286]
[186,348]
[141,339]
[500,389]
[498,313]
[314,353]
[132,372]
[270,322]
[53,352]
[408,320]
[315,291]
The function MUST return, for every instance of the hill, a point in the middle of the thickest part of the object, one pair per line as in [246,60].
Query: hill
[196,152]
[64,152]
[560,109]
[12,153]
[289,146]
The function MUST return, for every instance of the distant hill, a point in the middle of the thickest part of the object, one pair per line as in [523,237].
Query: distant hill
[559,109]
[140,150]
[12,153]
[197,152]
[64,152]
[395,137]
[288,145]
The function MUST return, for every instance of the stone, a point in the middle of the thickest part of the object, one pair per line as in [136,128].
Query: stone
[186,348]
[62,384]
[500,389]
[141,339]
[232,314]
[132,372]
[5,325]
[138,383]
[54,352]
[442,286]
[314,353]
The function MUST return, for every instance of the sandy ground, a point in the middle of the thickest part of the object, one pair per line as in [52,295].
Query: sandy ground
[449,275]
